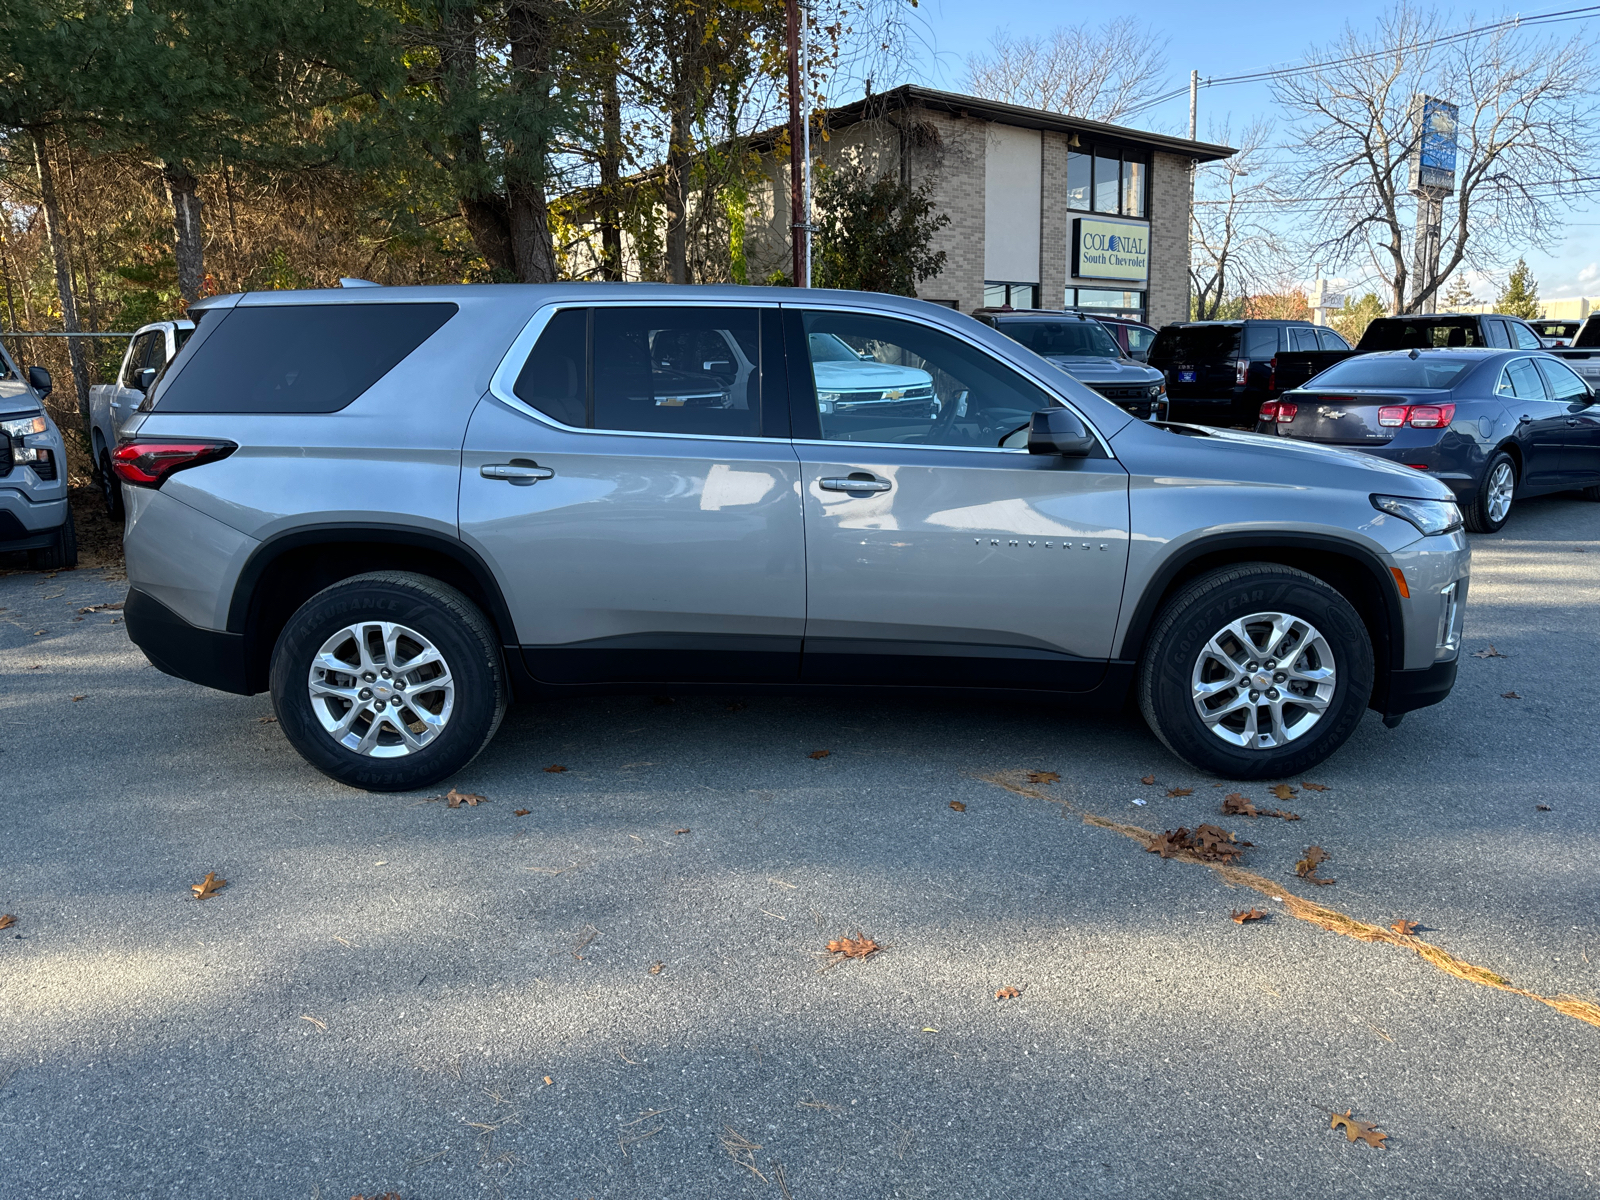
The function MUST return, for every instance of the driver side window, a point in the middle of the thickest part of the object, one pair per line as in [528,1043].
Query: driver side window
[878,379]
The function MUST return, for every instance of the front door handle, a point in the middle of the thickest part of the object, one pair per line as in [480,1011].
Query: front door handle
[516,472]
[864,483]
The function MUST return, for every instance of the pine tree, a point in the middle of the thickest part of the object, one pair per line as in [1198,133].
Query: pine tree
[1459,297]
[1352,320]
[1520,296]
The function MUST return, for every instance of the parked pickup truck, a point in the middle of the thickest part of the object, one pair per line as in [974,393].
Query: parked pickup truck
[1583,355]
[111,404]
[1415,332]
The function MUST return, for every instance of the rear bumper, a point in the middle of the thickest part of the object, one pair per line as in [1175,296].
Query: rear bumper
[1411,690]
[208,657]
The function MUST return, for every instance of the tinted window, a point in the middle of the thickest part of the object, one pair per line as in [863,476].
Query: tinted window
[299,358]
[1107,181]
[1261,341]
[1497,336]
[692,371]
[555,379]
[1060,339]
[1191,344]
[1521,380]
[1398,333]
[1302,339]
[1078,180]
[1588,334]
[1331,341]
[1398,371]
[1139,338]
[1563,384]
[1526,338]
[915,385]
[139,356]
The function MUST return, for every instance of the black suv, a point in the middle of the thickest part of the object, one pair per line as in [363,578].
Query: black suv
[1220,372]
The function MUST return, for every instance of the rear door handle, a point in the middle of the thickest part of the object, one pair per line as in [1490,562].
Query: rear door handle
[864,484]
[516,472]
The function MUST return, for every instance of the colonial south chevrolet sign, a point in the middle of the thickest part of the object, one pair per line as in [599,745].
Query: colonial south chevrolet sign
[1108,249]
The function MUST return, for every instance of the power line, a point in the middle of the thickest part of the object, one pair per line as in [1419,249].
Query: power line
[1560,184]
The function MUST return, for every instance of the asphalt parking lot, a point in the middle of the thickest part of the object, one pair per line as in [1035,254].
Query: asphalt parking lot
[612,981]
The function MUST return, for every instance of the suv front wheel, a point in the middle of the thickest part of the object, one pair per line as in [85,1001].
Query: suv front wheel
[388,681]
[1256,671]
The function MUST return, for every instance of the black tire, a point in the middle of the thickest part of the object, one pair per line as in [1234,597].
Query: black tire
[1592,492]
[63,555]
[110,487]
[439,614]
[1476,514]
[1202,610]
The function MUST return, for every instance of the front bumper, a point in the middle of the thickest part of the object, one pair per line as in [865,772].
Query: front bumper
[1411,690]
[205,656]
[29,524]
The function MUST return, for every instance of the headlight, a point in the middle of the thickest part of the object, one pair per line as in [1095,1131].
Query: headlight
[826,401]
[1429,516]
[22,428]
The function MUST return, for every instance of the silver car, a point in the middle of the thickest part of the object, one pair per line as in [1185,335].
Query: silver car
[400,509]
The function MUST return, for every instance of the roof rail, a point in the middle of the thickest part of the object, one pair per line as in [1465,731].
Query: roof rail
[346,281]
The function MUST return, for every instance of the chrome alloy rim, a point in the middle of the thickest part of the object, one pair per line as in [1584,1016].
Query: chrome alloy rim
[381,689]
[1502,486]
[1264,680]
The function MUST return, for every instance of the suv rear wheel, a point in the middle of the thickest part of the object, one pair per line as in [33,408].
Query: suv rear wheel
[388,681]
[1256,671]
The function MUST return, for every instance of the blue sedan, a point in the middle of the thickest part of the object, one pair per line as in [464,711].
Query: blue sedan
[1491,424]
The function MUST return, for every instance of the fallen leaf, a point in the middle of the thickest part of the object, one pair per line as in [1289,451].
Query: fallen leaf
[819,754]
[1235,805]
[455,799]
[1404,927]
[554,769]
[1509,696]
[1254,914]
[548,1082]
[1148,780]
[1491,652]
[1208,843]
[208,887]
[1306,868]
[1313,787]
[657,968]
[1008,993]
[267,720]
[958,806]
[1542,807]
[857,947]
[75,699]
[1355,1128]
[675,832]
[520,812]
[1044,776]
[314,1021]
[7,921]
[40,632]
[93,608]
[1282,791]
[1180,791]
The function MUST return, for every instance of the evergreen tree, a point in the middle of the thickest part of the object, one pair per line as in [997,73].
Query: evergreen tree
[1520,296]
[1352,320]
[1459,296]
[876,233]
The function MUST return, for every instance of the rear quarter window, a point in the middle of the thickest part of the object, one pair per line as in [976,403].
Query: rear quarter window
[298,358]
[1262,341]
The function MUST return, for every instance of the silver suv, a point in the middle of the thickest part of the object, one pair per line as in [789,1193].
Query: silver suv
[399,509]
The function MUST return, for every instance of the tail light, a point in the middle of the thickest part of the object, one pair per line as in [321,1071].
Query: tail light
[1241,370]
[1418,416]
[146,462]
[1280,411]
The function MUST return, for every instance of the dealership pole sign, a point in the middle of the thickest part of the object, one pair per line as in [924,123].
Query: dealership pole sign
[1109,249]
[1433,161]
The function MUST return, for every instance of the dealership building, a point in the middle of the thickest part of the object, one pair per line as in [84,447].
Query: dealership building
[1046,210]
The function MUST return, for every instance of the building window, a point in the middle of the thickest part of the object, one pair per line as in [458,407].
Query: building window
[1017,295]
[1111,302]
[1107,181]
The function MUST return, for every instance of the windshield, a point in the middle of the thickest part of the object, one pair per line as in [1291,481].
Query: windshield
[1400,371]
[825,347]
[1195,344]
[1062,339]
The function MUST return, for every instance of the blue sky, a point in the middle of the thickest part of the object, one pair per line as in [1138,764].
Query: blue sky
[1232,37]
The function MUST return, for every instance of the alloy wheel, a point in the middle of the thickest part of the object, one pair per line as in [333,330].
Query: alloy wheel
[1502,487]
[1264,680]
[381,689]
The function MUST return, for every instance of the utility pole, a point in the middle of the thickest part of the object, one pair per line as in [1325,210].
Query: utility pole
[1194,101]
[798,141]
[805,160]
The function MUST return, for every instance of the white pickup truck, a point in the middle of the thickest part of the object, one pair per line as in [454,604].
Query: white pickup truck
[150,349]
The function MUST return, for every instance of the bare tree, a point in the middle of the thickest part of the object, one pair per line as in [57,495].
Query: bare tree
[1100,74]
[1525,136]
[1233,245]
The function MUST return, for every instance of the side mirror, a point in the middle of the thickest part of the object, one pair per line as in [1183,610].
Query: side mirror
[1059,431]
[39,381]
[145,377]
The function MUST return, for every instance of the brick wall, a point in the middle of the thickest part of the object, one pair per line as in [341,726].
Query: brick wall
[1056,223]
[951,153]
[1170,195]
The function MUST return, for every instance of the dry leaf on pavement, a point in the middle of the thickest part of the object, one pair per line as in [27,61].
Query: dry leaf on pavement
[555,769]
[819,754]
[1491,652]
[1542,807]
[1235,805]
[1208,843]
[1008,993]
[1405,928]
[1241,915]
[1148,780]
[1282,791]
[1043,776]
[455,799]
[1306,868]
[208,887]
[7,921]
[657,968]
[520,812]
[859,946]
[1180,791]
[94,608]
[85,696]
[958,806]
[1354,1128]
[675,832]
[1509,696]
[1313,787]
[267,720]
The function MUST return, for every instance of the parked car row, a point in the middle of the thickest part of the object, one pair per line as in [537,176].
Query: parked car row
[398,509]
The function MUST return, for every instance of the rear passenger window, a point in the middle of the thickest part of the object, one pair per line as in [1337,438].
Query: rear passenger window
[1563,384]
[1522,381]
[1329,340]
[298,358]
[1496,331]
[684,370]
[1302,339]
[555,379]
[1261,341]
